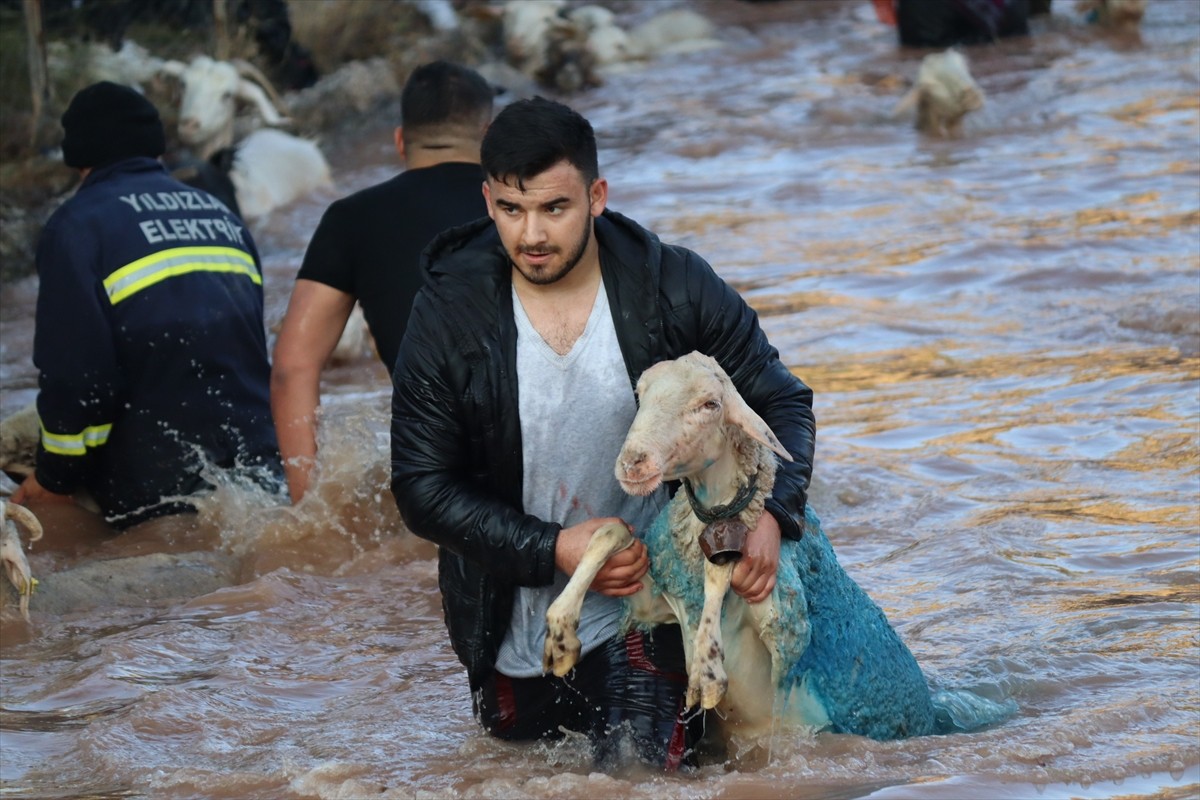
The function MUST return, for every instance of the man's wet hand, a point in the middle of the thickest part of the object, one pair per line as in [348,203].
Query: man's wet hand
[754,575]
[621,574]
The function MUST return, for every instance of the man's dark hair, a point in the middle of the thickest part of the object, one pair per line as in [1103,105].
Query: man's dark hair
[442,94]
[529,137]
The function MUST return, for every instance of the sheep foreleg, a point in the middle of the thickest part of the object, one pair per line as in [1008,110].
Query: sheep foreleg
[562,648]
[707,680]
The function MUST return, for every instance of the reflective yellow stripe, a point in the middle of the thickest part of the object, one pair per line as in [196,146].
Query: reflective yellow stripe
[66,444]
[132,278]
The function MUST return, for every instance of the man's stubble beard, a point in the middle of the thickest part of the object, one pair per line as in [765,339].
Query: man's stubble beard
[545,279]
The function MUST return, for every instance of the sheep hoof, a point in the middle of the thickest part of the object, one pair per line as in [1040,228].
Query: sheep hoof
[712,692]
[707,683]
[562,648]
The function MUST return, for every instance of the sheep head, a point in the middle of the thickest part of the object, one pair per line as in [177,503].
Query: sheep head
[211,91]
[690,417]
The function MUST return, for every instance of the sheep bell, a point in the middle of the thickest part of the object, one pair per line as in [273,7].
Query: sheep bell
[722,541]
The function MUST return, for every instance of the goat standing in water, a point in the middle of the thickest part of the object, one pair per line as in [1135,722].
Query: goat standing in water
[817,653]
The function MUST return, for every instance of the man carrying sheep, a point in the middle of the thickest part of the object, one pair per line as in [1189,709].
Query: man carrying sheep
[368,245]
[513,392]
[149,340]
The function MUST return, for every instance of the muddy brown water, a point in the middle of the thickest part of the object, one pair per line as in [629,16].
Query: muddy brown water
[1003,334]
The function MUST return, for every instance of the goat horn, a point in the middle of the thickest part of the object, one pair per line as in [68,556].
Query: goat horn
[248,70]
[24,516]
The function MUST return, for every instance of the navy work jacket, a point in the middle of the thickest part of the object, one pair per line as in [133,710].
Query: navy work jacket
[149,344]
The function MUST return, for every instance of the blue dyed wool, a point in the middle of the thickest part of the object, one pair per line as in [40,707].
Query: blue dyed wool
[835,641]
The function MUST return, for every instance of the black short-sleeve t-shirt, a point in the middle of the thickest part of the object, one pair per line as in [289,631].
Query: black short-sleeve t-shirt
[369,244]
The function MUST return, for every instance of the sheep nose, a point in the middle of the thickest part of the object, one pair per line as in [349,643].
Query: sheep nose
[633,462]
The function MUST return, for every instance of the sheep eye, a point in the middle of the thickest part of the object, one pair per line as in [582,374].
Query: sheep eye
[711,405]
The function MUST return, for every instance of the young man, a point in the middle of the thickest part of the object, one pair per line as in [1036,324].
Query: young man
[150,346]
[512,395]
[368,245]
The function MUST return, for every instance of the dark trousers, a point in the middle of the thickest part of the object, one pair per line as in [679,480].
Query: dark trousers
[945,23]
[626,696]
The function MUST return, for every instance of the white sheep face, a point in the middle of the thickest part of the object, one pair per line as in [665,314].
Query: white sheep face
[688,412]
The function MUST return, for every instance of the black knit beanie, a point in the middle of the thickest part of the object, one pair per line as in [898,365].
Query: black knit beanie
[108,122]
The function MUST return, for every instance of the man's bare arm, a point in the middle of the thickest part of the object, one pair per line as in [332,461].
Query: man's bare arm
[314,321]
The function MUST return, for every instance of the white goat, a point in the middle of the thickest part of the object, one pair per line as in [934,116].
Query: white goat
[817,653]
[12,554]
[270,167]
[943,94]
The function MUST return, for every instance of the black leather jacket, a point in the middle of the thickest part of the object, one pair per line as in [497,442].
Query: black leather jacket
[456,435]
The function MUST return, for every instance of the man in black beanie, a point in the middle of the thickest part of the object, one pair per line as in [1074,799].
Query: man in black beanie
[149,341]
[108,122]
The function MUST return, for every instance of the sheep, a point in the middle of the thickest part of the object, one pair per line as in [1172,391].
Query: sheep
[608,42]
[944,93]
[569,47]
[270,168]
[527,26]
[12,554]
[677,31]
[817,653]
[208,107]
[19,435]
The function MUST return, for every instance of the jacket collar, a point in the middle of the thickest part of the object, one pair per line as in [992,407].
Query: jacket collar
[470,257]
[631,263]
[125,166]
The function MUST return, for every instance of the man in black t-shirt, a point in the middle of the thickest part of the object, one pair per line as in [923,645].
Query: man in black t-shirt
[368,245]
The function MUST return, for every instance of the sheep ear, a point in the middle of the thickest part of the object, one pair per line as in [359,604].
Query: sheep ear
[739,412]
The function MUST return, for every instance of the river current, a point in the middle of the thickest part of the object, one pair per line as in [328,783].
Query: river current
[1002,332]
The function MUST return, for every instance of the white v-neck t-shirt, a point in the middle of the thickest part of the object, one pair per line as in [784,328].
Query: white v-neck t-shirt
[575,411]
